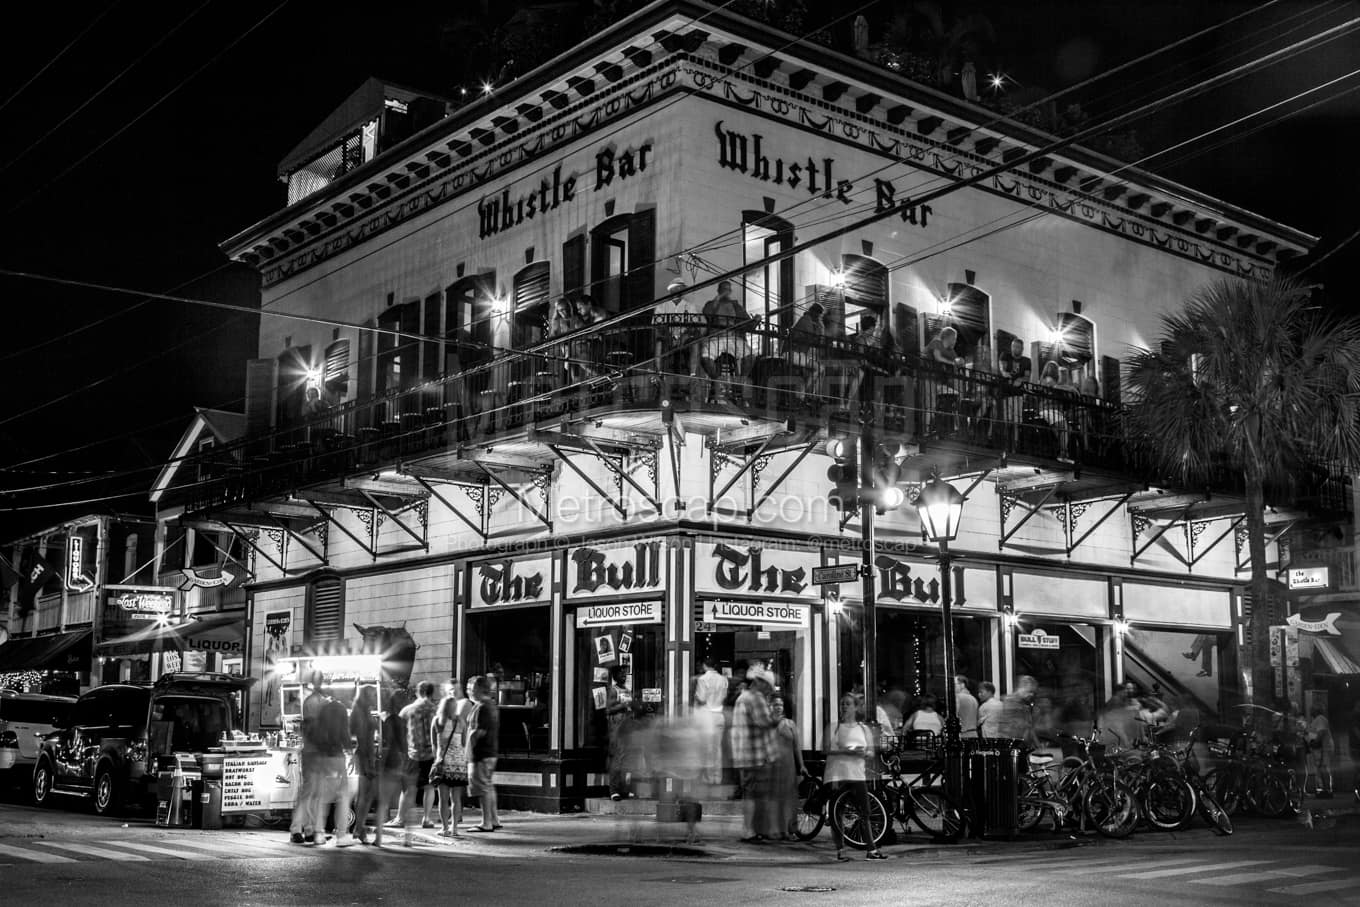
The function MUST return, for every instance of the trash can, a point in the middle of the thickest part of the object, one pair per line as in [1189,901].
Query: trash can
[994,784]
[208,804]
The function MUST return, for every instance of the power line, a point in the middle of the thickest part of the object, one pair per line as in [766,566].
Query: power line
[105,87]
[61,53]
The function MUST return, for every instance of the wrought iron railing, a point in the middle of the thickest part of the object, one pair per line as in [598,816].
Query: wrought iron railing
[763,371]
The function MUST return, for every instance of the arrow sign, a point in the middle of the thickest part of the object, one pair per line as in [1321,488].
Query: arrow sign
[1326,625]
[841,573]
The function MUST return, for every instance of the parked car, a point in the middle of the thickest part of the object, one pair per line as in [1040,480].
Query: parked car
[108,750]
[25,718]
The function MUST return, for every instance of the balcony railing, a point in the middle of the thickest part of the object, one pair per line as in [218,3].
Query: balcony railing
[760,372]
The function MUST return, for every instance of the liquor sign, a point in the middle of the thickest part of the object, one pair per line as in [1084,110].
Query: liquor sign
[1038,640]
[625,613]
[1309,577]
[596,573]
[510,582]
[764,614]
[756,571]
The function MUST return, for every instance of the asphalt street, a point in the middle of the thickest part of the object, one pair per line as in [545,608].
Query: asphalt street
[67,856]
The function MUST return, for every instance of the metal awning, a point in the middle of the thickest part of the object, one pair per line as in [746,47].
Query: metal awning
[1337,660]
[60,651]
[224,634]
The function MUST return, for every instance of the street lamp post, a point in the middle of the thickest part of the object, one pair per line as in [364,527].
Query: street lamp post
[940,507]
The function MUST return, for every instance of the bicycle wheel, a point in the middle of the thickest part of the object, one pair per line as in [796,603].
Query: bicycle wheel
[1210,810]
[1112,808]
[1271,797]
[1223,785]
[845,813]
[1029,812]
[936,814]
[1168,803]
[805,825]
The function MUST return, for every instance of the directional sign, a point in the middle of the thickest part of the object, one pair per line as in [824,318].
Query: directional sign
[841,573]
[765,614]
[629,613]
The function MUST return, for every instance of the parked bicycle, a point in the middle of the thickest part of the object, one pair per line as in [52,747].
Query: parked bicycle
[919,800]
[1090,786]
[1206,804]
[1253,778]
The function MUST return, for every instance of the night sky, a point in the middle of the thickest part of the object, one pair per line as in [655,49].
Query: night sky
[148,210]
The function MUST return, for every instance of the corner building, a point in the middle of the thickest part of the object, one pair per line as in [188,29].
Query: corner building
[431,456]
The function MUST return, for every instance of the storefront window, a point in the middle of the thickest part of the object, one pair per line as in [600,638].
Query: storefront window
[1188,668]
[514,647]
[639,650]
[911,656]
[1065,659]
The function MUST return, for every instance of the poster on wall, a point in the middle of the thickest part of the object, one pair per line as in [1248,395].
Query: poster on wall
[601,675]
[626,642]
[604,649]
[278,643]
[601,696]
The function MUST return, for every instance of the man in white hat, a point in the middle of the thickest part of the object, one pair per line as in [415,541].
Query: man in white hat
[677,324]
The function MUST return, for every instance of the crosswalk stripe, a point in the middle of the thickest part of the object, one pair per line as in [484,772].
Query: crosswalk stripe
[1238,878]
[1112,865]
[1316,887]
[1187,870]
[34,855]
[1300,872]
[220,847]
[118,855]
[166,851]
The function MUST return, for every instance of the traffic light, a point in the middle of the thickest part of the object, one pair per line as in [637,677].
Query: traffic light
[843,474]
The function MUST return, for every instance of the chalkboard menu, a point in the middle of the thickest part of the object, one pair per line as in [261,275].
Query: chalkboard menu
[256,782]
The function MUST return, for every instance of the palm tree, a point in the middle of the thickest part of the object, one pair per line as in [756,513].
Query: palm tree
[1251,381]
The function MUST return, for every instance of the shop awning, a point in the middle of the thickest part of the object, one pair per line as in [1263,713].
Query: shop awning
[61,651]
[223,634]
[1334,657]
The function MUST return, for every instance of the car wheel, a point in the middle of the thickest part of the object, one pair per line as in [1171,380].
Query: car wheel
[42,783]
[106,792]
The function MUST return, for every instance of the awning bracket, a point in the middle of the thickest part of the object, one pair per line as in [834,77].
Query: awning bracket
[774,486]
[1161,531]
[478,527]
[1010,501]
[1198,555]
[557,452]
[1071,525]
[524,501]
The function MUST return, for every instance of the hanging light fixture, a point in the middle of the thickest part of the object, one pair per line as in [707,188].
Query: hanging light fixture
[940,506]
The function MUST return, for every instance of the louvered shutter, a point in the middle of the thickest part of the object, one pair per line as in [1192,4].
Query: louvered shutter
[574,266]
[429,356]
[642,258]
[1109,380]
[907,329]
[261,386]
[866,281]
[531,286]
[1078,339]
[336,375]
[325,609]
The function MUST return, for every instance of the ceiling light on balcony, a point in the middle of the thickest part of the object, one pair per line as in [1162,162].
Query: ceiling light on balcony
[487,88]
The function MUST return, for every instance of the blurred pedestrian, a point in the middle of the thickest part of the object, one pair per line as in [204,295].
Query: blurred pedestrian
[1017,712]
[303,829]
[849,750]
[753,751]
[925,718]
[710,693]
[448,739]
[419,793]
[785,771]
[365,728]
[618,706]
[332,742]
[483,749]
[1319,741]
[989,710]
[966,707]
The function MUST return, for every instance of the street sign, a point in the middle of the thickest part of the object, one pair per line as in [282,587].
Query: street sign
[841,573]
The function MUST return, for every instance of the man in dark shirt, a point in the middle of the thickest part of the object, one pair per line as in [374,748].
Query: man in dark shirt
[484,747]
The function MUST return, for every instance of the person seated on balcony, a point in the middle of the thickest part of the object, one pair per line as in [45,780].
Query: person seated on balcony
[1090,413]
[873,347]
[1057,413]
[725,348]
[313,407]
[803,353]
[565,321]
[588,352]
[677,325]
[941,397]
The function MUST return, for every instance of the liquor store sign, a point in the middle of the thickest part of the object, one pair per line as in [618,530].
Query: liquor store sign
[768,615]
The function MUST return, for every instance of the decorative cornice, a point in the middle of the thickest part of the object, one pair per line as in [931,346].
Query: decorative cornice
[461,154]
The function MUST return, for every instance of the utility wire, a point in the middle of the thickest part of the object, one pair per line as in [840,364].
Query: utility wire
[75,111]
[61,53]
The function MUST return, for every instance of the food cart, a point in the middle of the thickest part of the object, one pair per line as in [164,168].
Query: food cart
[264,774]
